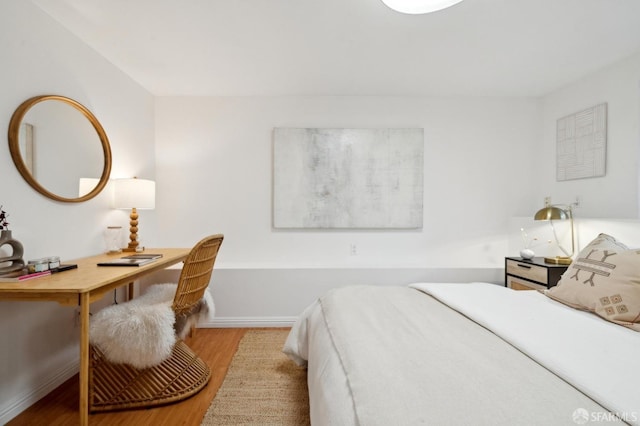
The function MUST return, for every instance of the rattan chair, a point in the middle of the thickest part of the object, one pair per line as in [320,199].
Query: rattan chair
[118,386]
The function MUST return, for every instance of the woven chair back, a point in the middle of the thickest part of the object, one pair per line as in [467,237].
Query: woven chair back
[196,274]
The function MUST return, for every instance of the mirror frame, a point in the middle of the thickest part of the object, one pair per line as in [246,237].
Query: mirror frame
[14,147]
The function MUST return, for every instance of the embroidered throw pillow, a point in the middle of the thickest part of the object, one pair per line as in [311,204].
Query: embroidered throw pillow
[604,279]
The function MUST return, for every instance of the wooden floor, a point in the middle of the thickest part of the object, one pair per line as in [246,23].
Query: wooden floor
[216,346]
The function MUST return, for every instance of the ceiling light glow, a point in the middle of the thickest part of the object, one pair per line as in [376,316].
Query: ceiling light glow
[416,7]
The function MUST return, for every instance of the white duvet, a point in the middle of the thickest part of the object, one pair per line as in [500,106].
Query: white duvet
[599,358]
[393,355]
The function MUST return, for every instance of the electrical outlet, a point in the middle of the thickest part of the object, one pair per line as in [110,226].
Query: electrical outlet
[353,250]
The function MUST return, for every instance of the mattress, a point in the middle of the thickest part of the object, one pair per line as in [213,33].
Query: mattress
[398,355]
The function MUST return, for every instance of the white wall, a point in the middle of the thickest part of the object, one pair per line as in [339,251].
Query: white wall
[616,194]
[221,148]
[607,204]
[39,340]
[488,165]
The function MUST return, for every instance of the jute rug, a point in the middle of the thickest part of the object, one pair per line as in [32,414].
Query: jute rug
[262,386]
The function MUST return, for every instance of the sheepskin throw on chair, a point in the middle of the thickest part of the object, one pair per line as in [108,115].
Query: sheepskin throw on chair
[143,331]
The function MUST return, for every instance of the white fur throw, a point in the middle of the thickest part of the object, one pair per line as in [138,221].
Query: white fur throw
[141,332]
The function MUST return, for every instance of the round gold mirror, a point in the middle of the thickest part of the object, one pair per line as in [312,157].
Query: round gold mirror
[56,143]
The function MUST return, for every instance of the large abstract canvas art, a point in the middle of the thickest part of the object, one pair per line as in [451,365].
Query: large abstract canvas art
[582,144]
[348,178]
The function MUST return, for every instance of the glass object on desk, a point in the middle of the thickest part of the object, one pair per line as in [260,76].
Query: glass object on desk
[113,239]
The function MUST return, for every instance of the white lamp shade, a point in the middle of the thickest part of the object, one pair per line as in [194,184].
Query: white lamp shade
[134,193]
[415,7]
[86,185]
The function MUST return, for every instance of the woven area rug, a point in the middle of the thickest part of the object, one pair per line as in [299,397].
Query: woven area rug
[262,386]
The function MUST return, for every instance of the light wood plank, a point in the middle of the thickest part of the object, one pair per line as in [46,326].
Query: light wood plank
[87,278]
[84,359]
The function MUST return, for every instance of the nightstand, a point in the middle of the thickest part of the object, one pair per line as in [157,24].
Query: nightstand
[531,274]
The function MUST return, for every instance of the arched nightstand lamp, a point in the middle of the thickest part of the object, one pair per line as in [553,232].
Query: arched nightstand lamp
[558,212]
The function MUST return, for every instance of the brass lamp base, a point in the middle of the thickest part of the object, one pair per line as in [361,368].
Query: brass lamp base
[558,260]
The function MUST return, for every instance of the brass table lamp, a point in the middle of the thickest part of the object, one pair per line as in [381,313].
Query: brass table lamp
[556,212]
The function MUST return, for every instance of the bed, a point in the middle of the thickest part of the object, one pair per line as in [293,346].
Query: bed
[476,353]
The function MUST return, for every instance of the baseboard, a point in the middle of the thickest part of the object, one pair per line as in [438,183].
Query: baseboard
[10,409]
[248,322]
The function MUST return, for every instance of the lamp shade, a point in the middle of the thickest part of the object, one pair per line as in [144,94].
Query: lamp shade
[551,213]
[86,185]
[134,193]
[415,7]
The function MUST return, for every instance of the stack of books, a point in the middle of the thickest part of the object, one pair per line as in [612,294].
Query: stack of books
[133,260]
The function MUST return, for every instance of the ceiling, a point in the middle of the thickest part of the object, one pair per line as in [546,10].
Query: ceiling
[353,47]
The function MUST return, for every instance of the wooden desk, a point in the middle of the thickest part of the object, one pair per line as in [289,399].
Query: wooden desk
[81,287]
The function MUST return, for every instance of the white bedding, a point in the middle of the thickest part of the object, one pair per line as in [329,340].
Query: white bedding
[597,357]
[393,355]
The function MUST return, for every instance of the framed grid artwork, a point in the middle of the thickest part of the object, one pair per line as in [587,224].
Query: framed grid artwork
[581,144]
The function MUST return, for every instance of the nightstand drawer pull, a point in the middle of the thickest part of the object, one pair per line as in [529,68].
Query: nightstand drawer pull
[524,266]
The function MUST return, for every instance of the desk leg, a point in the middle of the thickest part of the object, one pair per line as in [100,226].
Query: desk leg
[130,289]
[84,359]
